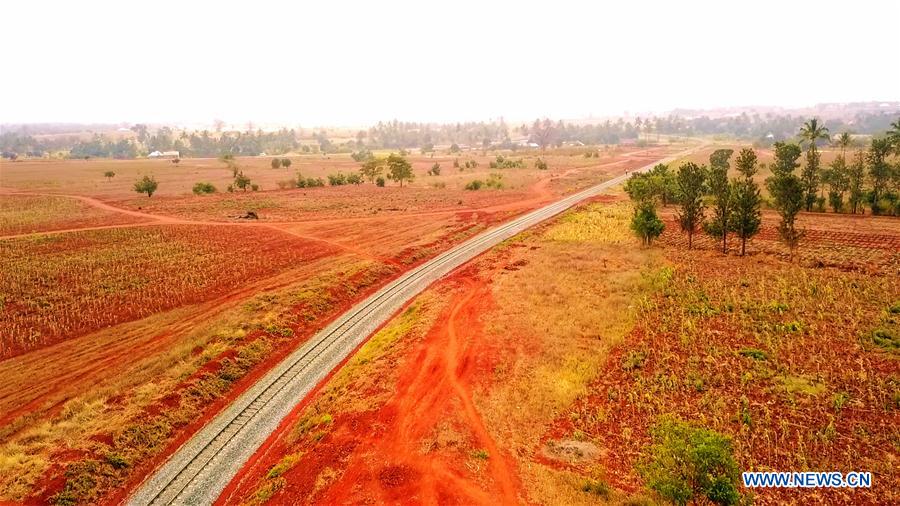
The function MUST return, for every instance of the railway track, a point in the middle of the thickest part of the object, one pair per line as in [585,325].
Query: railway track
[199,471]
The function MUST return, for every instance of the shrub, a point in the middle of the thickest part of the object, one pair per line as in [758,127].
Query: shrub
[540,164]
[507,163]
[495,181]
[276,163]
[284,184]
[596,487]
[338,179]
[687,463]
[456,163]
[474,185]
[480,454]
[241,181]
[379,181]
[354,178]
[254,187]
[435,170]
[286,162]
[201,188]
[361,155]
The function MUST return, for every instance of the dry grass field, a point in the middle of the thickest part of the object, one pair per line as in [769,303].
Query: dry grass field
[536,373]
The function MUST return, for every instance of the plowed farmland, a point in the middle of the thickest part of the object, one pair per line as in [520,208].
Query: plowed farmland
[537,373]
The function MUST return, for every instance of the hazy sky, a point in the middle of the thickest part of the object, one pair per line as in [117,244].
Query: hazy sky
[348,63]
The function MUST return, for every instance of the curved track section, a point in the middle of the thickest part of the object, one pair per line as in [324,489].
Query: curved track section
[199,471]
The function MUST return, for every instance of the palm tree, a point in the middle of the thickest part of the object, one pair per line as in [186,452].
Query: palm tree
[844,141]
[812,132]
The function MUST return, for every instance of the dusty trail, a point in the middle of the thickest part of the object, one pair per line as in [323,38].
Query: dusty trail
[540,189]
[435,389]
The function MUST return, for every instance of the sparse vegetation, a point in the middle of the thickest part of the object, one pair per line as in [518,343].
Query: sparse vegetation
[203,188]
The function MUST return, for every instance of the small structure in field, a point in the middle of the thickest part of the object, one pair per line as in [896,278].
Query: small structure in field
[164,154]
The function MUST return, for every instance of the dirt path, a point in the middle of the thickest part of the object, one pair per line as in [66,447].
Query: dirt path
[434,390]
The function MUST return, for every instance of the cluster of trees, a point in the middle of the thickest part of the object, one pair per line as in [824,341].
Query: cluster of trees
[396,167]
[735,203]
[281,162]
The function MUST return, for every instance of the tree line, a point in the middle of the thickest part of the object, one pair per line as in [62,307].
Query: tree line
[735,204]
[761,129]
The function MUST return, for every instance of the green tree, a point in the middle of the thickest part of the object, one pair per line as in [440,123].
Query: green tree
[747,199]
[109,175]
[893,136]
[146,185]
[880,171]
[723,192]
[399,169]
[837,177]
[788,193]
[691,182]
[276,163]
[372,168]
[286,163]
[811,132]
[663,182]
[640,188]
[856,176]
[645,222]
[688,464]
[786,155]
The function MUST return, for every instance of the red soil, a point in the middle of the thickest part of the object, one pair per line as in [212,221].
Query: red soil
[379,455]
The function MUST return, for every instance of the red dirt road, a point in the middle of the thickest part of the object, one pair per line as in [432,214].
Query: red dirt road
[392,455]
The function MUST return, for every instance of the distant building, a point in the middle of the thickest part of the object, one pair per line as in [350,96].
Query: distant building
[164,154]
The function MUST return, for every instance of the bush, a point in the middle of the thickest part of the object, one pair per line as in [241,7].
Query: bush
[540,164]
[354,178]
[687,463]
[276,163]
[201,188]
[474,185]
[379,181]
[507,163]
[435,170]
[338,179]
[289,183]
[596,487]
[254,187]
[495,181]
[241,181]
[286,162]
